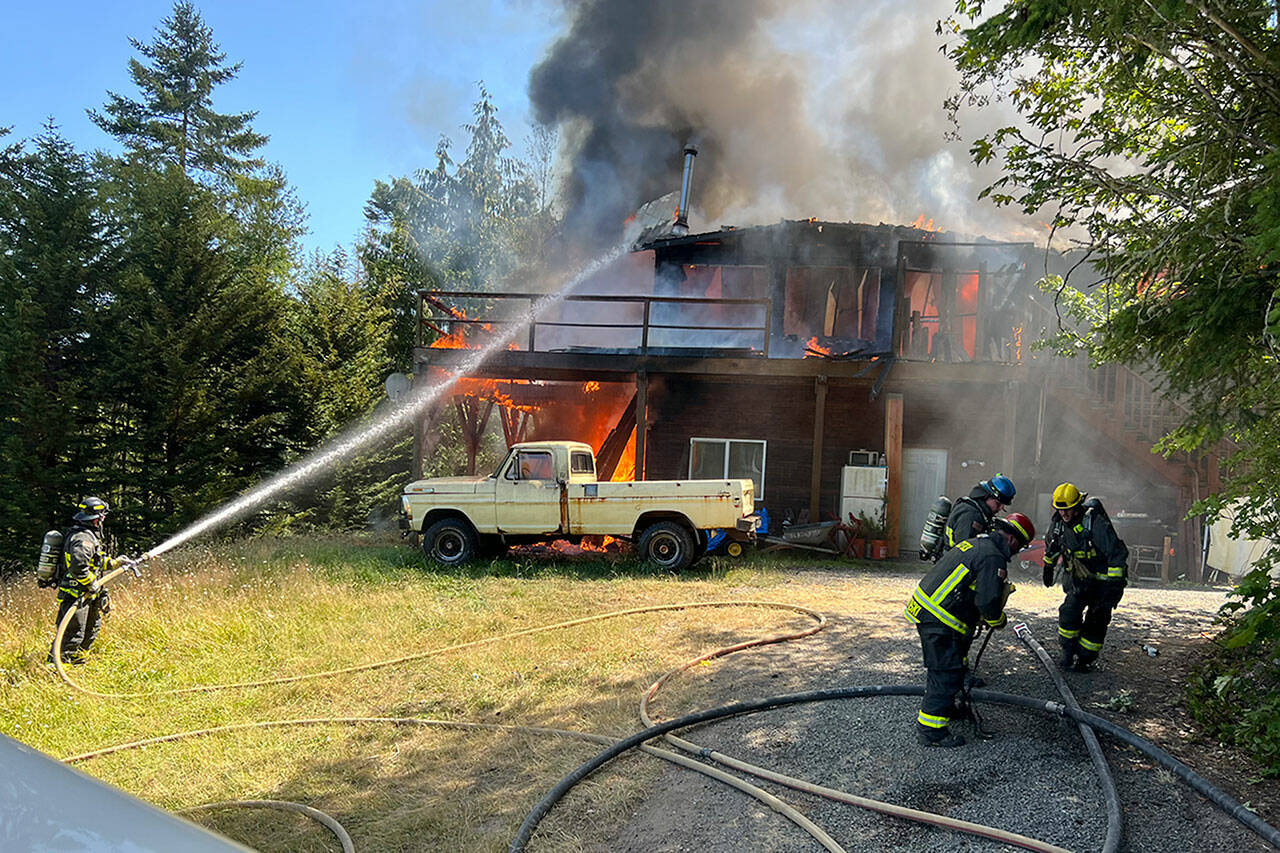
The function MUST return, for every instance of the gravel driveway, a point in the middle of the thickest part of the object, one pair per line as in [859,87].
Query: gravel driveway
[1035,777]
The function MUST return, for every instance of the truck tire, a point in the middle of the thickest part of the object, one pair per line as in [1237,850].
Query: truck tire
[667,545]
[450,542]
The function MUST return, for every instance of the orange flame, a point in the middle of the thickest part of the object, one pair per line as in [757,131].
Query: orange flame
[923,224]
[813,349]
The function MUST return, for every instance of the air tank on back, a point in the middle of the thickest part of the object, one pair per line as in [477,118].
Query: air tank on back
[935,524]
[50,552]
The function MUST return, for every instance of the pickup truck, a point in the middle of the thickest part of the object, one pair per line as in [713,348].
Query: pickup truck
[547,490]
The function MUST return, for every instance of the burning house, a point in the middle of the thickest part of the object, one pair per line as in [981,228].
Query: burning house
[839,366]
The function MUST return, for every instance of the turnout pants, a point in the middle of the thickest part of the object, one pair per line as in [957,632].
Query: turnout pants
[83,628]
[945,654]
[1084,616]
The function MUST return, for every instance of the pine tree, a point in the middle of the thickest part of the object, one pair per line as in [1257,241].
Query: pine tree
[174,121]
[58,263]
[201,357]
[202,316]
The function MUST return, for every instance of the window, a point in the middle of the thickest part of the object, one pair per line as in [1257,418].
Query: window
[532,465]
[834,302]
[942,314]
[728,459]
[580,463]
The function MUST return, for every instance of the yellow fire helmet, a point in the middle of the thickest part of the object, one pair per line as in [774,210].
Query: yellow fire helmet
[1066,496]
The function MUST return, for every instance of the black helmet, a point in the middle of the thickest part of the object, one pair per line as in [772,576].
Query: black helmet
[92,509]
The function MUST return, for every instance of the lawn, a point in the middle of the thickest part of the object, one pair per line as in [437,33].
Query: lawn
[265,609]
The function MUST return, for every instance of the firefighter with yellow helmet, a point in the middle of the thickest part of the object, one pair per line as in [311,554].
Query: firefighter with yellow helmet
[1095,571]
[84,562]
[967,587]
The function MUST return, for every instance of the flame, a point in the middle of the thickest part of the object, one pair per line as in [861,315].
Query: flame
[1017,344]
[813,349]
[626,469]
[460,338]
[590,387]
[923,224]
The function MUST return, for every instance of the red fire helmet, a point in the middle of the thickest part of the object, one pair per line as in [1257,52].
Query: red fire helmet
[1019,525]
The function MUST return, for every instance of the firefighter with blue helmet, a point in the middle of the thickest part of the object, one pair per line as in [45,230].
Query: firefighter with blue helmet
[973,514]
[1095,572]
[84,562]
[967,587]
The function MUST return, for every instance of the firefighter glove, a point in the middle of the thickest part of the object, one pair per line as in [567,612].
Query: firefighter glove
[94,588]
[1048,574]
[116,562]
[104,602]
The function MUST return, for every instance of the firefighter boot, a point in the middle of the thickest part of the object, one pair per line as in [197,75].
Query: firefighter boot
[943,737]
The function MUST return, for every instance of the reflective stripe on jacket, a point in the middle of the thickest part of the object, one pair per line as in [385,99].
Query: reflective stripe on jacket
[969,517]
[967,584]
[1091,543]
[83,559]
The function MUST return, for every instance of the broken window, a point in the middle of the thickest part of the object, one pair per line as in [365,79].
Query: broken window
[942,314]
[728,459]
[833,302]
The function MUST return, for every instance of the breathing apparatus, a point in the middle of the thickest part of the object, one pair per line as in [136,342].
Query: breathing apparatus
[935,523]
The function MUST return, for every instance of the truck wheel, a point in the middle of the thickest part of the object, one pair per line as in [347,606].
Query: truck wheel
[734,549]
[667,545]
[450,542]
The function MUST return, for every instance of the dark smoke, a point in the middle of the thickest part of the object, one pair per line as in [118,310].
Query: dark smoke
[808,108]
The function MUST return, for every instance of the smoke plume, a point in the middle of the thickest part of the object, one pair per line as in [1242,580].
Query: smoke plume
[801,108]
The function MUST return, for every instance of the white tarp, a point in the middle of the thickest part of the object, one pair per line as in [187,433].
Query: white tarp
[1233,556]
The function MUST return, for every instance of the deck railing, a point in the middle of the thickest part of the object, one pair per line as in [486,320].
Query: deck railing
[604,322]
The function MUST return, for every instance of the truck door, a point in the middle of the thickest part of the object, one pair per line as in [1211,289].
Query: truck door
[528,494]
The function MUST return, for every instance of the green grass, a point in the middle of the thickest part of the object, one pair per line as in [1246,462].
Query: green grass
[266,608]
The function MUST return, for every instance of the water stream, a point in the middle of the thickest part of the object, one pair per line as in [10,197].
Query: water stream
[357,438]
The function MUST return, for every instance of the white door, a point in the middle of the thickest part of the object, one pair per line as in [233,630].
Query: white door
[924,478]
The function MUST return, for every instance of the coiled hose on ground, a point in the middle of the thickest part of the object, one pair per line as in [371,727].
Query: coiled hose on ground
[1215,795]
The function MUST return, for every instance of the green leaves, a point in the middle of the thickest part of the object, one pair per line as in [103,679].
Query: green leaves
[1154,130]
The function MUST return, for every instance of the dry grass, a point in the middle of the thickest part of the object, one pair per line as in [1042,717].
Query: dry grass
[263,609]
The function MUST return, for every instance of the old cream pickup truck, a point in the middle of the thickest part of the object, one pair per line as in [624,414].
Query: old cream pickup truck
[548,490]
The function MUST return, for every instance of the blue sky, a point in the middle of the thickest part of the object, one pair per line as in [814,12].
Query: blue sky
[348,92]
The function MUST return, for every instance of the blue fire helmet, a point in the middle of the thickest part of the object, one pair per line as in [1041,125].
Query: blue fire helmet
[1001,488]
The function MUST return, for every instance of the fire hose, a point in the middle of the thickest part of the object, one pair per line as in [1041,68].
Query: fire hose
[1115,825]
[617,747]
[1215,795]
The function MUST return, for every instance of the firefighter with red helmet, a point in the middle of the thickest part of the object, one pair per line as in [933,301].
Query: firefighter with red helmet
[1095,572]
[967,587]
[84,562]
[973,514]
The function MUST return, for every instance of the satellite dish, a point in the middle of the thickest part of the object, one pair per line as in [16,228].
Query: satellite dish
[396,384]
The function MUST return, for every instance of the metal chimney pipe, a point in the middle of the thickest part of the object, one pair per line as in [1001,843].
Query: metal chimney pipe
[681,226]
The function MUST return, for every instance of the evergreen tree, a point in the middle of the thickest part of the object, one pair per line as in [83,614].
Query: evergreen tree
[58,262]
[201,355]
[342,324]
[202,314]
[174,121]
[457,226]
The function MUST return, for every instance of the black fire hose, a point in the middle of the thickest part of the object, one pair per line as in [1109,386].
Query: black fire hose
[1111,798]
[1203,786]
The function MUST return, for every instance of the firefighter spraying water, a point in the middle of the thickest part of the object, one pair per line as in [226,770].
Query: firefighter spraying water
[77,564]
